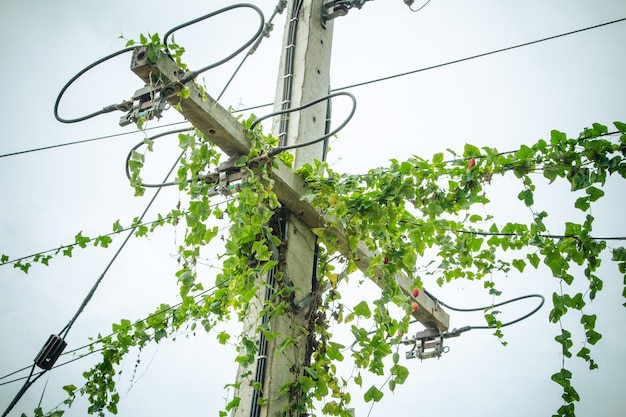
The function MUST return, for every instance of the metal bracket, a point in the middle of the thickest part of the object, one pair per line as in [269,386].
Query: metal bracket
[429,343]
[227,179]
[334,8]
[147,103]
[426,344]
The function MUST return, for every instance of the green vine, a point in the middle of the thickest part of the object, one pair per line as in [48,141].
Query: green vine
[426,219]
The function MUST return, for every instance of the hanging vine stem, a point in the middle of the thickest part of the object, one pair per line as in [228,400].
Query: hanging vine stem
[406,213]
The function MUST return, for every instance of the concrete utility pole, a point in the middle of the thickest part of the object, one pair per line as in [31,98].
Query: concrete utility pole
[304,76]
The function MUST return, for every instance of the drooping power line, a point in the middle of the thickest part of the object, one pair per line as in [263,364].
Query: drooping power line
[78,142]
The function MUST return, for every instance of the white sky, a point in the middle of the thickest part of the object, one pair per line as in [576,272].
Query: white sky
[503,100]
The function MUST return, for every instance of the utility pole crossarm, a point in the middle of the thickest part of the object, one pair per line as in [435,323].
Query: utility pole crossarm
[200,109]
[290,188]
[223,129]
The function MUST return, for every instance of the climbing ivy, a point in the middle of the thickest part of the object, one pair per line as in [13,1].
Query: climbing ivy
[417,216]
[423,218]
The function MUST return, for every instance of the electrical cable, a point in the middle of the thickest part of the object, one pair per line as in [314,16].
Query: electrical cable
[106,109]
[284,148]
[86,300]
[456,61]
[140,144]
[55,366]
[457,332]
[479,233]
[195,74]
[288,68]
[410,4]
[56,250]
[389,77]
[512,300]
[280,7]
[217,285]
[188,77]
[23,390]
[78,142]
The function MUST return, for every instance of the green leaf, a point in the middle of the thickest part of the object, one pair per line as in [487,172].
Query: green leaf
[81,240]
[4,259]
[519,264]
[562,378]
[620,126]
[400,372]
[438,158]
[373,394]
[234,403]
[70,389]
[565,339]
[470,151]
[593,337]
[619,255]
[406,167]
[557,137]
[527,197]
[358,380]
[594,193]
[582,203]
[117,227]
[223,337]
[534,260]
[363,310]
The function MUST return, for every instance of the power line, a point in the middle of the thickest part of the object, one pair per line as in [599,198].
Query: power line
[402,74]
[78,142]
[479,55]
[56,250]
[84,303]
[280,7]
[99,340]
[122,329]
[389,77]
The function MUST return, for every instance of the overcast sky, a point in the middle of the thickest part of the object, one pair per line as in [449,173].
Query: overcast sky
[503,100]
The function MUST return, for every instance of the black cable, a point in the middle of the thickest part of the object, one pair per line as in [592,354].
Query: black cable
[194,74]
[260,106]
[86,300]
[140,144]
[280,7]
[78,142]
[106,109]
[512,300]
[217,285]
[478,56]
[389,77]
[23,390]
[55,366]
[478,233]
[457,332]
[280,149]
[410,3]
[12,261]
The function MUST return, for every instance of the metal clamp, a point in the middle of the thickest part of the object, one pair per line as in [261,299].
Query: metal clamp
[228,178]
[147,103]
[426,344]
[336,8]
